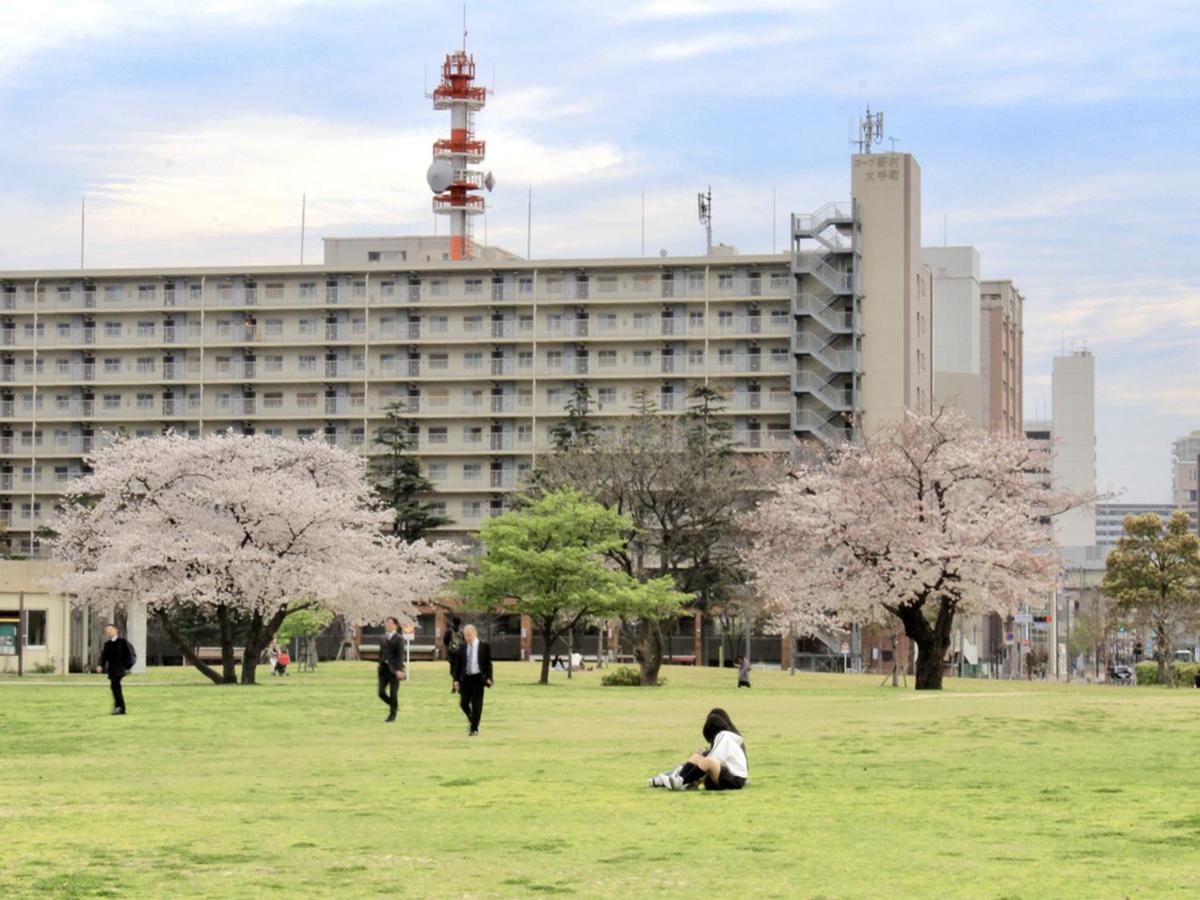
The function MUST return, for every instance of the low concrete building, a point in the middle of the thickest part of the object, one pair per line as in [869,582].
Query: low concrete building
[35,625]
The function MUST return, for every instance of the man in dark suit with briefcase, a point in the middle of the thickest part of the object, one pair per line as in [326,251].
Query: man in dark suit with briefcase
[472,673]
[391,665]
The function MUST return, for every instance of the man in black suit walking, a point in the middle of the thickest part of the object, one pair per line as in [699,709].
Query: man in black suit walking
[391,665]
[116,659]
[472,673]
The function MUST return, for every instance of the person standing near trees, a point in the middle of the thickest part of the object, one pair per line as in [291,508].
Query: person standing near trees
[472,673]
[116,659]
[391,665]
[452,640]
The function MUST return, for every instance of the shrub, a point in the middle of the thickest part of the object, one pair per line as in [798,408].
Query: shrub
[46,668]
[1184,673]
[624,676]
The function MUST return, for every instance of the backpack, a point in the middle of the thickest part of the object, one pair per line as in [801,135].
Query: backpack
[131,654]
[456,640]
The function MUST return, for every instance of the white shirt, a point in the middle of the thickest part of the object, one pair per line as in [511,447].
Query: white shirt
[727,749]
[473,657]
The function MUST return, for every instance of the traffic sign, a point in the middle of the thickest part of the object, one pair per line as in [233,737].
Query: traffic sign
[1023,618]
[1009,637]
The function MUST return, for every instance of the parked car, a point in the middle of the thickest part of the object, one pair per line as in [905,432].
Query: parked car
[1121,674]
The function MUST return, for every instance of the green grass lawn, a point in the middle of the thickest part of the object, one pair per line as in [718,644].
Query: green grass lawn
[297,787]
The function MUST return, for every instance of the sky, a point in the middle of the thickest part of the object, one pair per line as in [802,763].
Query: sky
[1057,138]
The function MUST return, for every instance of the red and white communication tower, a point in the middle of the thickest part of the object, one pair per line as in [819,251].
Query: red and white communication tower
[455,185]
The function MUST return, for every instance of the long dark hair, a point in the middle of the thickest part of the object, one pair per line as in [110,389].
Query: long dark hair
[718,720]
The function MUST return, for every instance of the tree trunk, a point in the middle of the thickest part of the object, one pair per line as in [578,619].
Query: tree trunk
[186,649]
[547,629]
[648,650]
[260,636]
[228,669]
[932,641]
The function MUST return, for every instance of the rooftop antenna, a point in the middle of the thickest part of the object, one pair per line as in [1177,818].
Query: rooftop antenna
[704,207]
[464,26]
[893,140]
[870,131]
[774,219]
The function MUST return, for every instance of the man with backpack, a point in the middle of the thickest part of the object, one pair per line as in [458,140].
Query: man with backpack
[452,640]
[116,659]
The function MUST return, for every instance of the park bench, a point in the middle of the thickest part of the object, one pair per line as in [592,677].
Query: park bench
[213,654]
[415,652]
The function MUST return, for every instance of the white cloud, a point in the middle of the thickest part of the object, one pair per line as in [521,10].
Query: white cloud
[719,42]
[31,27]
[238,179]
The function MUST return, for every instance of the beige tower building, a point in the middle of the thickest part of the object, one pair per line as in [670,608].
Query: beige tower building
[897,319]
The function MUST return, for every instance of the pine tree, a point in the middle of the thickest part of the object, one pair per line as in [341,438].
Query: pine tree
[399,480]
[577,428]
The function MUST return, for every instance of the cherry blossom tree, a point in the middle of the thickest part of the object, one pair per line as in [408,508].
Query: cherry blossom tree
[926,520]
[247,529]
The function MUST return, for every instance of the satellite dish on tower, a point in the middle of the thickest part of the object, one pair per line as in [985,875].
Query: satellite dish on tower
[440,175]
[489,181]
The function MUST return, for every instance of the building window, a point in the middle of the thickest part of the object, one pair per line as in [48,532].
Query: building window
[112,365]
[438,287]
[437,471]
[472,286]
[725,281]
[607,396]
[439,323]
[273,400]
[439,361]
[607,358]
[387,289]
[524,358]
[472,471]
[306,399]
[308,363]
[472,509]
[112,401]
[145,401]
[112,329]
[525,285]
[438,434]
[145,365]
[308,289]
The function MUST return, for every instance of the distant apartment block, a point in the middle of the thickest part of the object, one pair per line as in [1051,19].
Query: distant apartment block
[483,353]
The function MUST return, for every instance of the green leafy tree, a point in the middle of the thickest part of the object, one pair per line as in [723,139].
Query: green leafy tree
[683,488]
[305,625]
[1154,574]
[547,560]
[576,428]
[399,480]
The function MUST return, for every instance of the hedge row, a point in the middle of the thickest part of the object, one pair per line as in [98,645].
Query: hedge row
[1185,673]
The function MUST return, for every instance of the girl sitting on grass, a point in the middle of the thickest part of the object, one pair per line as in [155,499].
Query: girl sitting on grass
[722,767]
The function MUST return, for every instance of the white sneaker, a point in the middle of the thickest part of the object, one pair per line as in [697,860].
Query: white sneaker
[675,783]
[659,781]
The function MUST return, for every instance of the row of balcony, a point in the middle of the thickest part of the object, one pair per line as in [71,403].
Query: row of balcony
[191,334]
[131,410]
[385,291]
[639,366]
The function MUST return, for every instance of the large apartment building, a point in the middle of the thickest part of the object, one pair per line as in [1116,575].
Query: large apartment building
[483,352]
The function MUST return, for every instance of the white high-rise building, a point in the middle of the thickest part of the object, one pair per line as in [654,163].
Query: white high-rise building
[1073,431]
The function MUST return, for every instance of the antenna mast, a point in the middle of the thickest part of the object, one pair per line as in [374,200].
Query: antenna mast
[704,206]
[455,186]
[870,131]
